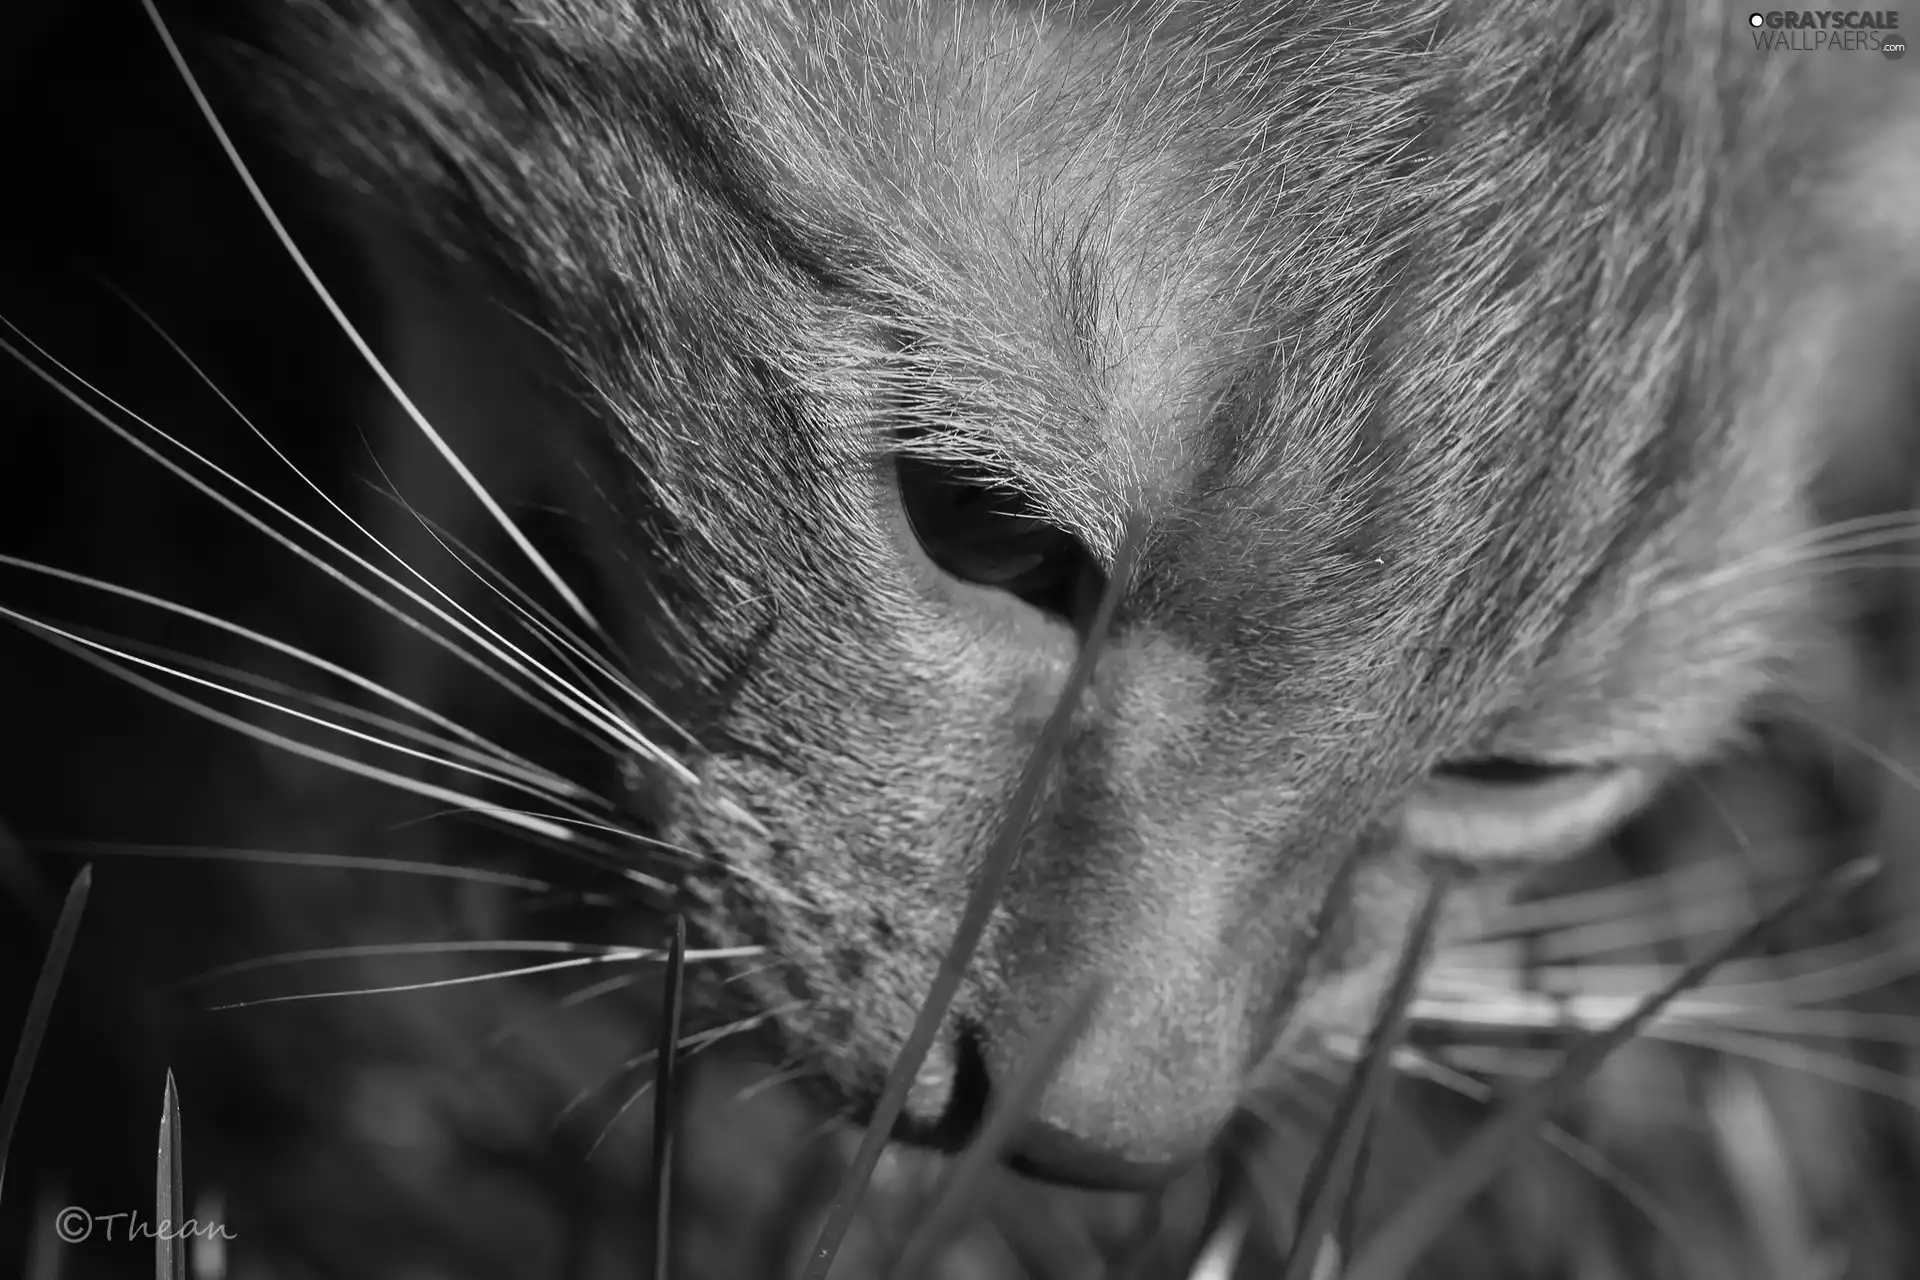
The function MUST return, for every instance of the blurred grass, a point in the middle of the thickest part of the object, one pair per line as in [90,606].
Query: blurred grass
[1792,1159]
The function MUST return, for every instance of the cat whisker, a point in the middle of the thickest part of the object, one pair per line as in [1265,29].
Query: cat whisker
[536,946]
[1697,904]
[741,973]
[1405,1237]
[85,649]
[1548,1014]
[1583,944]
[441,761]
[597,854]
[554,632]
[505,770]
[568,649]
[572,1000]
[1689,886]
[1815,975]
[622,834]
[317,861]
[689,1045]
[1584,1154]
[1494,1060]
[630,956]
[1586,997]
[352,333]
[490,762]
[532,777]
[1863,534]
[480,747]
[1876,755]
[1806,1059]
[788,1073]
[585,714]
[246,420]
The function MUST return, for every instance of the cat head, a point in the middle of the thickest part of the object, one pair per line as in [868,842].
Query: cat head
[1434,353]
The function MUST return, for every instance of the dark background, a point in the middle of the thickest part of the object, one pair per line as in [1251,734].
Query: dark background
[116,188]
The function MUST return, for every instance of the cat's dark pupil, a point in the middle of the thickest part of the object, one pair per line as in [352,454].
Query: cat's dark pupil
[1503,770]
[983,532]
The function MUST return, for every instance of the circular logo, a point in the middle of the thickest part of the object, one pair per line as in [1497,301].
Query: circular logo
[1893,50]
[74,1224]
[1756,20]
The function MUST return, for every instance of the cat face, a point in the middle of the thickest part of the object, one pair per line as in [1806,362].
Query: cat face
[1455,401]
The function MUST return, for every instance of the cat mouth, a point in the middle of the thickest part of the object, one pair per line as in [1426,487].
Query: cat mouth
[1048,1154]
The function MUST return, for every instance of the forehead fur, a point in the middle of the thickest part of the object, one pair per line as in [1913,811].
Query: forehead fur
[1369,395]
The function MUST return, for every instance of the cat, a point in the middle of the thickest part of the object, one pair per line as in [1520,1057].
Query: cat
[1473,377]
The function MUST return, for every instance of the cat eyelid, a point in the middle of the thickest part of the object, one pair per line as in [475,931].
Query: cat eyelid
[1551,815]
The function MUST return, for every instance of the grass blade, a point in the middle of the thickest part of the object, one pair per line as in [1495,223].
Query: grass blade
[1328,1180]
[1220,1251]
[973,920]
[1399,1244]
[169,1192]
[40,1011]
[665,1099]
[960,1190]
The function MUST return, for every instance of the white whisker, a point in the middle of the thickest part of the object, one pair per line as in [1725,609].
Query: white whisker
[494,946]
[471,746]
[484,772]
[436,984]
[620,733]
[1770,995]
[596,853]
[317,861]
[83,648]
[572,1000]
[690,1044]
[352,333]
[1630,900]
[528,605]
[622,834]
[1805,1059]
[1584,1154]
[1828,541]
[559,640]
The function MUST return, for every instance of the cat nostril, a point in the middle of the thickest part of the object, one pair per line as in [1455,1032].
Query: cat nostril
[948,1098]
[966,1105]
[1037,1150]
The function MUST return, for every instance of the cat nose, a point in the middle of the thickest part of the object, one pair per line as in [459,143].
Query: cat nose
[1110,1118]
[957,1070]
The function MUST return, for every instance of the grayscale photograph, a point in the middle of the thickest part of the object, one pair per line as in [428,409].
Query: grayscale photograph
[959,640]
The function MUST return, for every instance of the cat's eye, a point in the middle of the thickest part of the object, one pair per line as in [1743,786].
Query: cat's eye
[1506,810]
[982,532]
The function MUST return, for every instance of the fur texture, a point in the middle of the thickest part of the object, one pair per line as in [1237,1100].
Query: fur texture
[1475,368]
